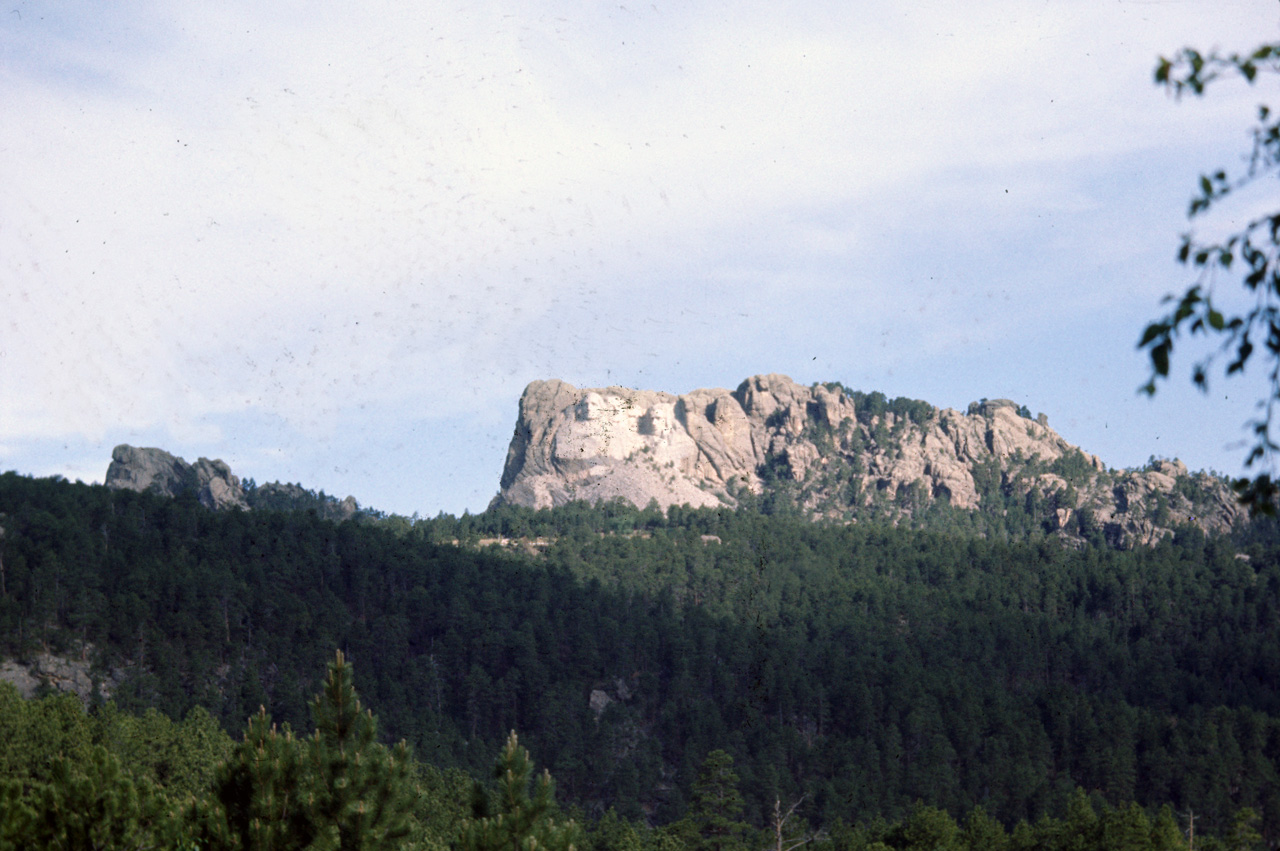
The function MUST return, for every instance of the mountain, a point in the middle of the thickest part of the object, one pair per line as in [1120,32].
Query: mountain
[838,454]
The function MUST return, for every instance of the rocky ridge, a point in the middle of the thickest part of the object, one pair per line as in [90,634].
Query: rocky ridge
[839,454]
[157,471]
[150,469]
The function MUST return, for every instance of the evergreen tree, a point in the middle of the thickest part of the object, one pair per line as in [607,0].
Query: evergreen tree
[1243,834]
[715,805]
[258,799]
[336,790]
[1126,829]
[930,829]
[86,806]
[16,817]
[363,789]
[513,820]
[1081,825]
[1165,834]
[983,833]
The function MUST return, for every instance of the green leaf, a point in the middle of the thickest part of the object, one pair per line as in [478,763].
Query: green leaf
[1154,330]
[1160,359]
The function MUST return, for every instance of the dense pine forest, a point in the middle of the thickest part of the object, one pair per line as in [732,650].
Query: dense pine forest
[686,677]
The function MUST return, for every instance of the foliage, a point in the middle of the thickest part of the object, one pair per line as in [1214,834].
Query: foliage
[181,757]
[874,405]
[92,804]
[336,789]
[258,800]
[713,822]
[33,733]
[513,820]
[1253,249]
[862,666]
[102,804]
[1072,466]
[362,797]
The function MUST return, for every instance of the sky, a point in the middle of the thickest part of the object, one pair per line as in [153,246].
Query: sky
[332,243]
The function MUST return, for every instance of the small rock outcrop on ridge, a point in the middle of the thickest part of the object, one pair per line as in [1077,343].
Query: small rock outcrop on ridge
[838,454]
[150,469]
[157,471]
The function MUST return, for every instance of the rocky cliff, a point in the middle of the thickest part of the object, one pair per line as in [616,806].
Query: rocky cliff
[150,469]
[840,454]
[157,471]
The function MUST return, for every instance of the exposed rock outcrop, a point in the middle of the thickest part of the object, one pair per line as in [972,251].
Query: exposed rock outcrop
[157,471]
[59,673]
[150,469]
[838,454]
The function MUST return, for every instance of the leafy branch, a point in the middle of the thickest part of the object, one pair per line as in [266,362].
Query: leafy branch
[1253,251]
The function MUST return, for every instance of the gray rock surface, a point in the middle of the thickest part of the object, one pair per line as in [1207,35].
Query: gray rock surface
[150,469]
[157,471]
[60,673]
[710,447]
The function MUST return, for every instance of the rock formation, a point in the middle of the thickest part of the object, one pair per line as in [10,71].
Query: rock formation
[157,471]
[837,454]
[149,469]
[64,673]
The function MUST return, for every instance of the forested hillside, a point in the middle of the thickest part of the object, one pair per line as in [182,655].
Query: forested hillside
[863,667]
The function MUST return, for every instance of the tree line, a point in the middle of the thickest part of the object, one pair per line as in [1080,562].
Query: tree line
[107,780]
[859,668]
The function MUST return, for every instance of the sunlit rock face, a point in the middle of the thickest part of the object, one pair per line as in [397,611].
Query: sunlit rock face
[150,469]
[597,445]
[891,460]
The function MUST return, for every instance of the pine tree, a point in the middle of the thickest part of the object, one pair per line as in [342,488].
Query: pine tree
[982,831]
[336,790]
[1165,834]
[931,828]
[363,789]
[87,804]
[1243,833]
[1081,825]
[258,801]
[1126,829]
[513,820]
[16,818]
[712,824]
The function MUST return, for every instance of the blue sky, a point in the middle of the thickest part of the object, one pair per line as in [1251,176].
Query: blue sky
[331,244]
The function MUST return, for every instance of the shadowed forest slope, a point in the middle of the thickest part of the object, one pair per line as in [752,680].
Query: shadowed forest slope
[864,666]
